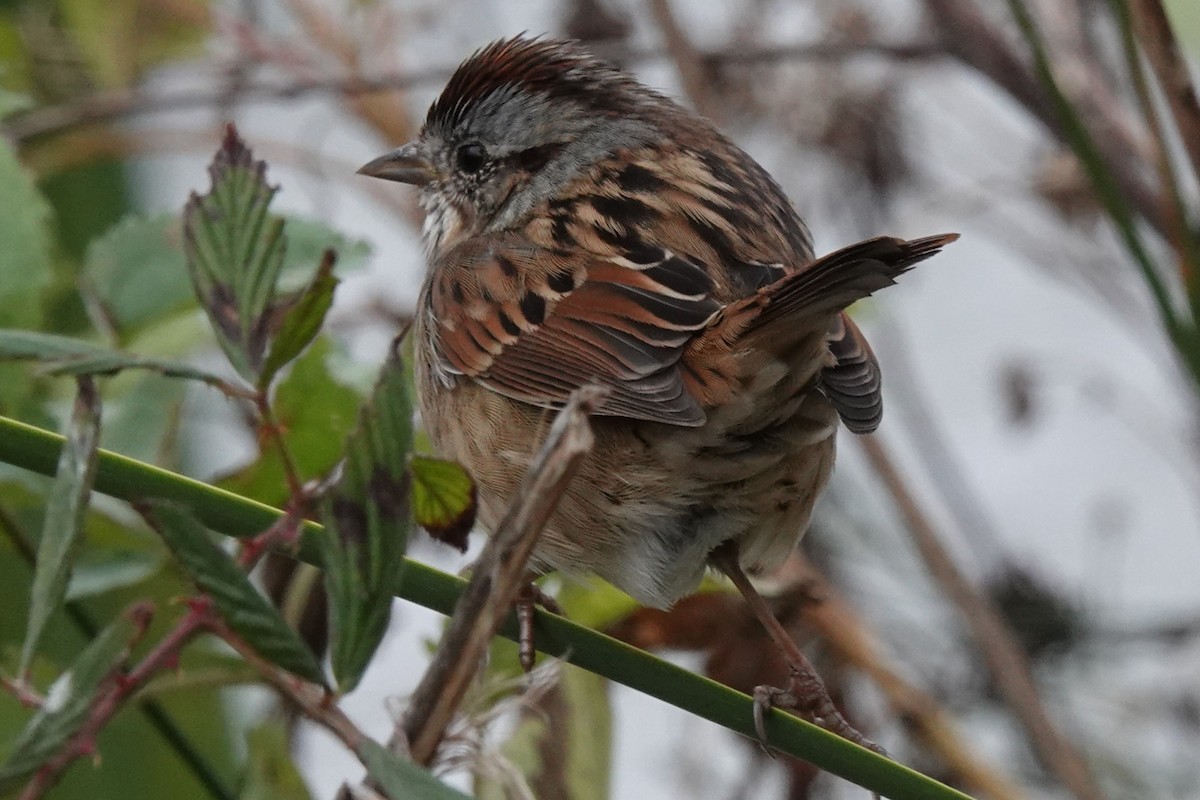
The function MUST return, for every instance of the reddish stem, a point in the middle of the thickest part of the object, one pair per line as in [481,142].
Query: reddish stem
[118,688]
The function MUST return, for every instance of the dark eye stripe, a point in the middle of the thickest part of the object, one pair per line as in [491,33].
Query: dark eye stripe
[534,158]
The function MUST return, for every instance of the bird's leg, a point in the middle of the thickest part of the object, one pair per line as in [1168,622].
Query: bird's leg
[806,693]
[529,597]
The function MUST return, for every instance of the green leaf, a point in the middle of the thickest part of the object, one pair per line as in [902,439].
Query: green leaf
[367,520]
[235,252]
[214,571]
[65,509]
[443,499]
[302,320]
[136,272]
[272,775]
[401,779]
[26,267]
[63,355]
[70,698]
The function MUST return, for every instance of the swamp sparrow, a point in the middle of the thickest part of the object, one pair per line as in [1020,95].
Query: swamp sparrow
[584,229]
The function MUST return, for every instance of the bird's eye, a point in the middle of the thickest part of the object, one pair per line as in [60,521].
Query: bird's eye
[471,157]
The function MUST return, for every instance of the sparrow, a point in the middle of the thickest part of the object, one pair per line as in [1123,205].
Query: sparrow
[582,229]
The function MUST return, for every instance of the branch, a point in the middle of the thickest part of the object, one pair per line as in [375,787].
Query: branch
[498,575]
[309,699]
[154,712]
[1163,51]
[107,106]
[999,647]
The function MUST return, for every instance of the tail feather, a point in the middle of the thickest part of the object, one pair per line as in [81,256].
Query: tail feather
[833,282]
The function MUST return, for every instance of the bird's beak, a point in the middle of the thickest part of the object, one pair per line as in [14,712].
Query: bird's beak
[407,164]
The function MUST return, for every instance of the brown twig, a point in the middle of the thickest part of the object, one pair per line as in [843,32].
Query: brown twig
[116,691]
[1182,237]
[1163,52]
[498,575]
[690,63]
[314,702]
[118,104]
[1000,649]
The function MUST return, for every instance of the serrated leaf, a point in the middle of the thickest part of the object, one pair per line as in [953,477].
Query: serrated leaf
[302,320]
[217,575]
[367,520]
[136,271]
[235,250]
[401,779]
[443,499]
[63,523]
[70,697]
[63,355]
[271,773]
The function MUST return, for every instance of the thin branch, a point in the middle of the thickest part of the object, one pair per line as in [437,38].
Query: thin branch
[311,700]
[1182,238]
[1166,58]
[118,104]
[1000,649]
[121,688]
[689,62]
[499,574]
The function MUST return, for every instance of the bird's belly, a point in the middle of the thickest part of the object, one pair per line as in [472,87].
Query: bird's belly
[651,501]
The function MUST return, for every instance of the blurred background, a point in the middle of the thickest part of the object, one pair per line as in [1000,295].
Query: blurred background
[1001,585]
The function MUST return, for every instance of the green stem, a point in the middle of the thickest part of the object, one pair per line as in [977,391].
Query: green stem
[37,450]
[151,709]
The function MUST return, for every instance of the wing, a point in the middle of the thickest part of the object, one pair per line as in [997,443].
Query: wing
[535,323]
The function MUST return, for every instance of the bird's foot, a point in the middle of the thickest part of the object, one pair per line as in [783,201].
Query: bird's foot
[807,698]
[529,597]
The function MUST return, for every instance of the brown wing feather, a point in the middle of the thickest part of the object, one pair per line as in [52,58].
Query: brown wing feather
[798,306]
[512,319]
